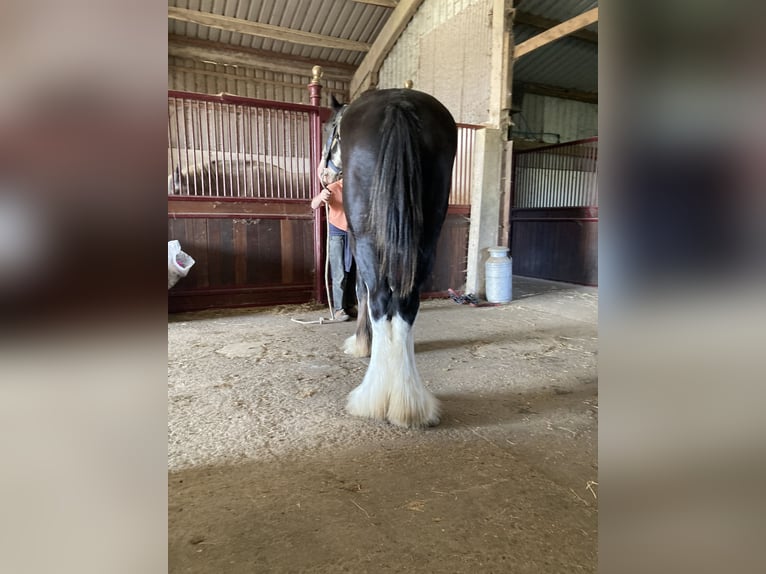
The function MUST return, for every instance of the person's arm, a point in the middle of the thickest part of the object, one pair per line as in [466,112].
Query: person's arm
[320,198]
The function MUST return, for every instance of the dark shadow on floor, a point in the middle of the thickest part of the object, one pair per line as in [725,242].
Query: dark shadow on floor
[444,506]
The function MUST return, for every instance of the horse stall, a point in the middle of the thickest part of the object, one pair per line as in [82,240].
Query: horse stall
[554,220]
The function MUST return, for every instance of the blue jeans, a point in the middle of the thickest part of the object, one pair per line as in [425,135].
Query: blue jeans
[337,269]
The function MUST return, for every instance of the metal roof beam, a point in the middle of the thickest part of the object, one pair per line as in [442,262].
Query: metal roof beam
[204,51]
[280,33]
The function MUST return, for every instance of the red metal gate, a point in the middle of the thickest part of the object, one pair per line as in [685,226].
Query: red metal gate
[240,177]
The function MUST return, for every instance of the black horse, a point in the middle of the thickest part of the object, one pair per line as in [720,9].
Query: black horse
[397,149]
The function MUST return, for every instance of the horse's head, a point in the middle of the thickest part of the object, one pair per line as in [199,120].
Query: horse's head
[331,165]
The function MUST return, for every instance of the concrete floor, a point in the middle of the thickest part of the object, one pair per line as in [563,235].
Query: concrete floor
[267,473]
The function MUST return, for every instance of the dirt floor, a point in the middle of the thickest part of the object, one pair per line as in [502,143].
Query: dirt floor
[267,473]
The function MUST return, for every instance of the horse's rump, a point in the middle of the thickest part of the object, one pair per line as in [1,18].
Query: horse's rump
[398,148]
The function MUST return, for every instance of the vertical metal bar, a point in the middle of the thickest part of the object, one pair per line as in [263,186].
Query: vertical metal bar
[201,139]
[572,179]
[258,151]
[555,159]
[294,116]
[221,163]
[186,149]
[209,162]
[560,173]
[225,167]
[229,151]
[551,191]
[230,146]
[251,151]
[560,160]
[282,154]
[178,142]
[278,127]
[583,172]
[246,158]
[238,111]
[197,178]
[271,153]
[214,153]
[170,154]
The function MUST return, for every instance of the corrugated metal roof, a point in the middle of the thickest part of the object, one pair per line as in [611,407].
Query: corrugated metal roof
[567,63]
[555,9]
[337,18]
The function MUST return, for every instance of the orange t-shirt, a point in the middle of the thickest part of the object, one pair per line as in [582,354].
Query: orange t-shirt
[337,216]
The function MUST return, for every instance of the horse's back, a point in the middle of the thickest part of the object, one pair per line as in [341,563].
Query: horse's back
[438,135]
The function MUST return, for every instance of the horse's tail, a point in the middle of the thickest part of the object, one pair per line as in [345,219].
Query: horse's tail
[396,210]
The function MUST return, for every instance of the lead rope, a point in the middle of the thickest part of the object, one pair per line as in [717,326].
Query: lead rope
[327,260]
[322,320]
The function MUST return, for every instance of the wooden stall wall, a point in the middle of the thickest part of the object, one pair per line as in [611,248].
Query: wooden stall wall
[239,185]
[245,252]
[554,220]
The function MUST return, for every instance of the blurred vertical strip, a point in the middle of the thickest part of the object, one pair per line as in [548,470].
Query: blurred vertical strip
[83,158]
[682,132]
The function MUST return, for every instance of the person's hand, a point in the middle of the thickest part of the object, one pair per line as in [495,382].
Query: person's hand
[320,198]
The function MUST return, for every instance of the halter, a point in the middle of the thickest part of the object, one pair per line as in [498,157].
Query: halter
[334,136]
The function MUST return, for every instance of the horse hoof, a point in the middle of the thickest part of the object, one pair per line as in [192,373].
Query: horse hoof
[352,347]
[407,420]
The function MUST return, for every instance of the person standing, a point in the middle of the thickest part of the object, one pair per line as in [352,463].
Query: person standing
[339,251]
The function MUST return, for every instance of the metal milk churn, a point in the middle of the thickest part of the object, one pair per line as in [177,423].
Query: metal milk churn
[498,278]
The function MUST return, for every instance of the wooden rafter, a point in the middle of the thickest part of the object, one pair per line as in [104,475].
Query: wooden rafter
[556,92]
[366,74]
[385,3]
[204,51]
[559,31]
[542,23]
[264,30]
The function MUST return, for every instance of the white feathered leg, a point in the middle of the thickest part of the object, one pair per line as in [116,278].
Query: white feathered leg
[392,389]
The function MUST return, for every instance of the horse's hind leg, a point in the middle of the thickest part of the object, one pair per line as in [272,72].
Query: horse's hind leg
[358,344]
[392,389]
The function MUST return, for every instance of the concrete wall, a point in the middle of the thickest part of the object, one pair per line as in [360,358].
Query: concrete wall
[445,50]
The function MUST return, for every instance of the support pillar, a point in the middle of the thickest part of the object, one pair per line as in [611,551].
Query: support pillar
[315,129]
[486,205]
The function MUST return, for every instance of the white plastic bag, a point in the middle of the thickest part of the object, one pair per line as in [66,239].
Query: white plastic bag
[179,263]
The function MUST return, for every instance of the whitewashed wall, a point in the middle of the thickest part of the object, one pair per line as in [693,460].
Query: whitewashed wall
[572,120]
[193,76]
[445,50]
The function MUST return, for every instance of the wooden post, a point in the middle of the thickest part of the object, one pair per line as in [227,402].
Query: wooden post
[486,205]
[315,130]
[488,193]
